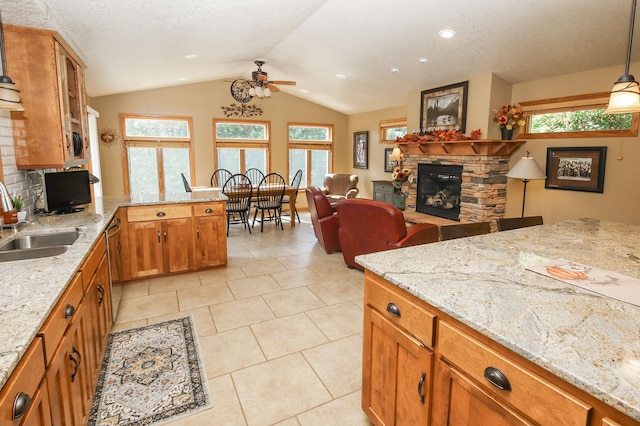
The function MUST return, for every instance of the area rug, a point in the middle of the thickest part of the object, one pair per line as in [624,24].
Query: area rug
[150,375]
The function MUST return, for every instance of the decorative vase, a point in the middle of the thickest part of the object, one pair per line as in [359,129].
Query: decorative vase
[507,134]
[399,199]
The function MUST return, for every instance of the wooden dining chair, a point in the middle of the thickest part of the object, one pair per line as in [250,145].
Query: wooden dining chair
[450,232]
[269,199]
[255,176]
[238,191]
[219,177]
[508,223]
[295,184]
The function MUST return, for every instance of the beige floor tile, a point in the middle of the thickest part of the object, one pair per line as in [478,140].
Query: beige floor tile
[289,422]
[215,275]
[229,351]
[338,321]
[296,278]
[173,282]
[240,313]
[338,364]
[201,318]
[253,286]
[127,325]
[239,258]
[336,291]
[261,267]
[147,307]
[292,301]
[196,297]
[279,389]
[345,411]
[286,335]
[135,289]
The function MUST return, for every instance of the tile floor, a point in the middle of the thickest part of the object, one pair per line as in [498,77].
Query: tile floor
[280,329]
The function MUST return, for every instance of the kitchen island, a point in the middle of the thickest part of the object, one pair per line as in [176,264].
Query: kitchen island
[481,285]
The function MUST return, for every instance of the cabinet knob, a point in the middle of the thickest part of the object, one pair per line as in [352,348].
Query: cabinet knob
[20,405]
[69,311]
[497,378]
[393,309]
[209,210]
[161,214]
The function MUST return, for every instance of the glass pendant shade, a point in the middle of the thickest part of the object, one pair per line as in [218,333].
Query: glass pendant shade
[625,96]
[267,92]
[259,92]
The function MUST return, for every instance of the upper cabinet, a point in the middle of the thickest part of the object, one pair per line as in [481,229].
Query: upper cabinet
[52,131]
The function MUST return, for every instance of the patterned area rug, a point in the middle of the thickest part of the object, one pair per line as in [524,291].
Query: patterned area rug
[150,375]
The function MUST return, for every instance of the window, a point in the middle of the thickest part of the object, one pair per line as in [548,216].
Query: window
[390,130]
[240,145]
[157,150]
[310,150]
[576,117]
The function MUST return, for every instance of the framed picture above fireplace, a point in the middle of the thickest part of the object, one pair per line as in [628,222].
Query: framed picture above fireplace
[444,108]
[576,168]
[361,150]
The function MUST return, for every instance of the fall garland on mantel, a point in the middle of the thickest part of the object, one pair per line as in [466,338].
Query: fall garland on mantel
[440,135]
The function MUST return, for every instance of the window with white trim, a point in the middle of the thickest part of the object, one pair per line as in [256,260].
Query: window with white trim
[310,150]
[157,149]
[240,145]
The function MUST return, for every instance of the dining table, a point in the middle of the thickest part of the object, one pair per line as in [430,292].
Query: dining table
[288,190]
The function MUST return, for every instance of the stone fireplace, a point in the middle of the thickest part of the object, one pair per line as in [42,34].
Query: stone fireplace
[483,181]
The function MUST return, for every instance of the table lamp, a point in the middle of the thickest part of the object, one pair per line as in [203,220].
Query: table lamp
[526,169]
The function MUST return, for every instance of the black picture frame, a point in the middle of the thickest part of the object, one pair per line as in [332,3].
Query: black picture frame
[388,163]
[444,108]
[361,150]
[576,168]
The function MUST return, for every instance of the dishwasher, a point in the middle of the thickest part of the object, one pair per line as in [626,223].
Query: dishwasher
[113,258]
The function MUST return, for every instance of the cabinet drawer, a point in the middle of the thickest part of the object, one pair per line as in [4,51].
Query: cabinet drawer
[159,212]
[57,322]
[540,400]
[400,309]
[90,265]
[208,209]
[25,378]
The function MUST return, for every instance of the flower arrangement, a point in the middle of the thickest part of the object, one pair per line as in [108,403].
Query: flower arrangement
[440,135]
[399,177]
[508,116]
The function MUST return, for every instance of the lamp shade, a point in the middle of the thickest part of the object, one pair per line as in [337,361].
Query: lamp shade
[625,96]
[526,169]
[396,154]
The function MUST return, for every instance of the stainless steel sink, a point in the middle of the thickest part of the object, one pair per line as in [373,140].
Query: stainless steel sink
[41,240]
[36,246]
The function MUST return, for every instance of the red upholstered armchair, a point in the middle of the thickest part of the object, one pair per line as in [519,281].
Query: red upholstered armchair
[324,219]
[367,226]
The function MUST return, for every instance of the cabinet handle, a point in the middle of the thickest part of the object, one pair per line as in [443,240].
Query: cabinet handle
[393,309]
[75,363]
[165,236]
[20,405]
[161,214]
[69,311]
[198,233]
[421,387]
[158,236]
[209,210]
[101,291]
[497,378]
[75,351]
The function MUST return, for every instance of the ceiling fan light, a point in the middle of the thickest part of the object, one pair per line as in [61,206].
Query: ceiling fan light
[625,96]
[259,92]
[252,91]
[267,92]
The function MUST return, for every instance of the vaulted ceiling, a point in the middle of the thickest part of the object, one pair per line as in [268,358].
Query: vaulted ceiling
[136,45]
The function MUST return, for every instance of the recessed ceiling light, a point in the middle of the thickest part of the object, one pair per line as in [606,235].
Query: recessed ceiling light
[423,60]
[394,69]
[341,76]
[183,79]
[305,91]
[447,33]
[192,56]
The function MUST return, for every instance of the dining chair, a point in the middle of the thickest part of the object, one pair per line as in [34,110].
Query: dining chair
[219,177]
[269,198]
[255,176]
[295,184]
[507,223]
[238,191]
[450,232]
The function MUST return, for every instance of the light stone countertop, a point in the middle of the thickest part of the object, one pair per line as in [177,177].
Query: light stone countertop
[29,289]
[587,339]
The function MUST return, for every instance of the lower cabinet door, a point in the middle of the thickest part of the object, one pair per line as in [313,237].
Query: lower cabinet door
[145,249]
[39,413]
[397,374]
[210,241]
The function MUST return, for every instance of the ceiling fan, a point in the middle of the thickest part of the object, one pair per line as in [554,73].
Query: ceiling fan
[244,90]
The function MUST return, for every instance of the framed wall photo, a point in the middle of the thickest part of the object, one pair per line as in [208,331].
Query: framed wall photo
[388,163]
[444,108]
[361,150]
[576,168]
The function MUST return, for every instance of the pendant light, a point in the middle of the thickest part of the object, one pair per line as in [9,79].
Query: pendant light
[625,96]
[9,94]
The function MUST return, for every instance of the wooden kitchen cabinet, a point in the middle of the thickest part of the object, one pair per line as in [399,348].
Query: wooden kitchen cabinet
[210,234]
[52,131]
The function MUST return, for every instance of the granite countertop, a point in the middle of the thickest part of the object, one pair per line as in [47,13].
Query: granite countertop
[29,289]
[587,339]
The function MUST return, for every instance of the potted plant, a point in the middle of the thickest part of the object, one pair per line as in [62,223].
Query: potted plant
[19,204]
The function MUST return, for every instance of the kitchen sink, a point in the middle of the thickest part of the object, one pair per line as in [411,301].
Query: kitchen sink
[38,245]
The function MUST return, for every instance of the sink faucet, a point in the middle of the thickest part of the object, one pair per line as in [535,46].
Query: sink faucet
[5,199]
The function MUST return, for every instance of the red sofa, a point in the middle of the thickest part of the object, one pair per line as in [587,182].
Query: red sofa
[368,226]
[324,219]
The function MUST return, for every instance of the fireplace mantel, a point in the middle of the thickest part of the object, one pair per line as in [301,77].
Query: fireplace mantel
[485,147]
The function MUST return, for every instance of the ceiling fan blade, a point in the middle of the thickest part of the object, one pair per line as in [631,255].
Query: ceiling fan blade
[283,82]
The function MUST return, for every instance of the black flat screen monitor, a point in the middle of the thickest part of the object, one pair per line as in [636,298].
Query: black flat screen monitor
[65,191]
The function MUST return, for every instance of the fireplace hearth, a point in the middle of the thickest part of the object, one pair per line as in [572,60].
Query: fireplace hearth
[439,189]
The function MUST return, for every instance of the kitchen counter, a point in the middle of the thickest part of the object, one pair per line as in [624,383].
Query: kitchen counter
[587,339]
[29,289]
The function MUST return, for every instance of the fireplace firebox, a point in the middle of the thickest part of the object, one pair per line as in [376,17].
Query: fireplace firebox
[438,190]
